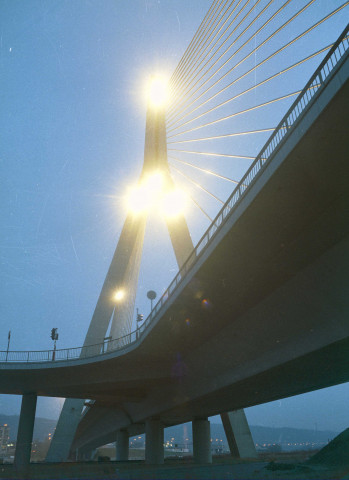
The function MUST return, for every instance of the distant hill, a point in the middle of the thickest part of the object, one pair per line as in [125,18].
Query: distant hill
[261,435]
[42,426]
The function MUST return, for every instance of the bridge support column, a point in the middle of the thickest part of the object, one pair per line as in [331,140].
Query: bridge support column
[122,444]
[154,442]
[201,440]
[238,434]
[25,433]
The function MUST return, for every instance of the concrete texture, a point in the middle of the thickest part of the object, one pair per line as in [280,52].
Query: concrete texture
[25,433]
[201,441]
[238,434]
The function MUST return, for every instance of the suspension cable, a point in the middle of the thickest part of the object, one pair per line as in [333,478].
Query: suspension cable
[231,13]
[201,40]
[263,82]
[200,208]
[263,130]
[202,49]
[172,110]
[196,184]
[298,37]
[210,154]
[205,170]
[269,102]
[228,48]
[193,42]
[196,203]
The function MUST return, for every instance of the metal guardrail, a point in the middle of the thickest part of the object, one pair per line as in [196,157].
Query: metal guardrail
[316,84]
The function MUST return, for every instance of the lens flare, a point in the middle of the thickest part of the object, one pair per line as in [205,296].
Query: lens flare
[155,183]
[135,200]
[174,203]
[144,196]
[206,303]
[157,92]
[119,295]
[152,195]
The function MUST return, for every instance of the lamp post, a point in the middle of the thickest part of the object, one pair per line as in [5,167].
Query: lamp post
[8,343]
[54,336]
[151,295]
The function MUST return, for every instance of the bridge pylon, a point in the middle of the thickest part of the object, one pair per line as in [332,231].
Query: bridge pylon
[116,302]
[122,276]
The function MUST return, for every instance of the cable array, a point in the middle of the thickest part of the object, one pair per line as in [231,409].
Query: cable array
[245,65]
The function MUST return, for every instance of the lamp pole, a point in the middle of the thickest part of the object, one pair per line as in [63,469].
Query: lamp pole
[54,336]
[151,295]
[8,344]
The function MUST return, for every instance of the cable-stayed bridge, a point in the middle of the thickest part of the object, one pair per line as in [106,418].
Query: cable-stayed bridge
[246,319]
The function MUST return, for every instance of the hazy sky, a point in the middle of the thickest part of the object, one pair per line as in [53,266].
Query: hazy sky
[72,137]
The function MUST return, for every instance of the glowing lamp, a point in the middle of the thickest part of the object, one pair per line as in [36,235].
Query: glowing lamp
[119,295]
[145,196]
[174,203]
[157,92]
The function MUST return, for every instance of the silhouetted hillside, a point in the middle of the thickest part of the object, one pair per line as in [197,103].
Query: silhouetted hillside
[261,435]
[336,453]
[42,426]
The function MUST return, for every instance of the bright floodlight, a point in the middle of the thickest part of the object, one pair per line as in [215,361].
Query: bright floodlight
[174,203]
[135,200]
[152,195]
[157,92]
[154,183]
[147,195]
[119,295]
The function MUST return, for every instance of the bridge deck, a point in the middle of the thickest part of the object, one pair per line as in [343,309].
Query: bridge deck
[275,279]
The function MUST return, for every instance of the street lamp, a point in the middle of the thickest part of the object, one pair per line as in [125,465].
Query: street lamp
[151,295]
[54,336]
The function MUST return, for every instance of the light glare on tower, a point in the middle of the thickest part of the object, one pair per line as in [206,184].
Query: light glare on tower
[174,203]
[119,295]
[145,196]
[157,92]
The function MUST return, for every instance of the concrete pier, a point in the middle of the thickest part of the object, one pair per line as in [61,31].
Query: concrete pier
[122,445]
[201,440]
[154,442]
[25,433]
[238,434]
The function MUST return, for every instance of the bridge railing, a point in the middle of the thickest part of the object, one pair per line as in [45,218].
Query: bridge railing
[315,85]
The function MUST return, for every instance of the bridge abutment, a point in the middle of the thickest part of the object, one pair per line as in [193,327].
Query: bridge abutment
[25,433]
[122,445]
[201,440]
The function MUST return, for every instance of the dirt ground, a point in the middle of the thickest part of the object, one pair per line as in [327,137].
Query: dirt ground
[287,466]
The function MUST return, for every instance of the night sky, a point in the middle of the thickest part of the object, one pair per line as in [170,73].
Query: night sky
[72,137]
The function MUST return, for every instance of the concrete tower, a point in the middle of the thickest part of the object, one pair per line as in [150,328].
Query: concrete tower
[123,273]
[116,302]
